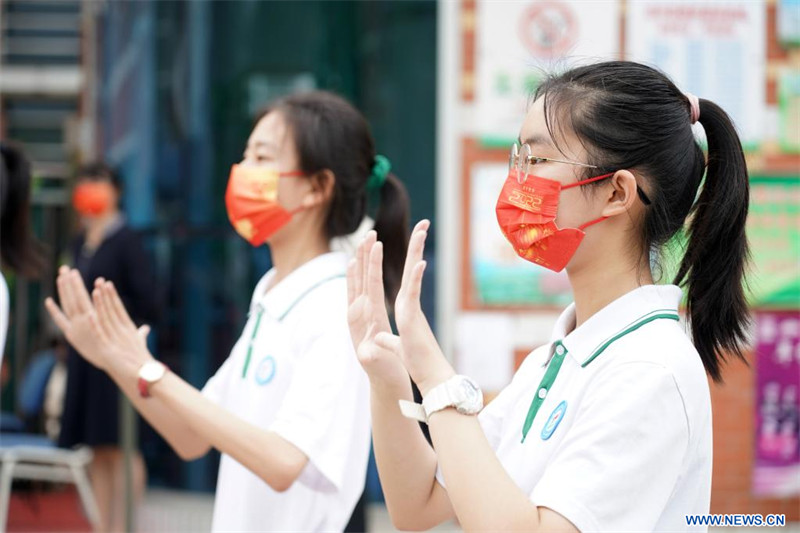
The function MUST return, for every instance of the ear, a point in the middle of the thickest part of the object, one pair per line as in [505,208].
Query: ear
[622,196]
[322,185]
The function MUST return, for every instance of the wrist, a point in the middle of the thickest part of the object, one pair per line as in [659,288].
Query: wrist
[435,380]
[127,367]
[150,374]
[389,392]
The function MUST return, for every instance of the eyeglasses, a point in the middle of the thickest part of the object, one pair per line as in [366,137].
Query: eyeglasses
[520,161]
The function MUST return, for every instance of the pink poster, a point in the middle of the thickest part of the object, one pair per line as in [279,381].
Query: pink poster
[777,458]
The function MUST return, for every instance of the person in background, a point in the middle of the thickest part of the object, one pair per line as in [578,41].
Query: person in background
[19,251]
[106,247]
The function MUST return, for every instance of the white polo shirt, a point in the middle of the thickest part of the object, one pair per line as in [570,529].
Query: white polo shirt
[610,424]
[294,371]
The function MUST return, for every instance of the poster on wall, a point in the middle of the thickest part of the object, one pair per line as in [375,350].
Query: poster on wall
[788,22]
[773,233]
[715,50]
[773,230]
[499,277]
[518,42]
[789,110]
[776,470]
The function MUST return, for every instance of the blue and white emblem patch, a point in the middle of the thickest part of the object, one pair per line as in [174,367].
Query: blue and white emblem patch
[265,371]
[554,420]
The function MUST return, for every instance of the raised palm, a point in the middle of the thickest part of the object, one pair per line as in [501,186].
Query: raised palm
[415,351]
[419,350]
[99,328]
[366,313]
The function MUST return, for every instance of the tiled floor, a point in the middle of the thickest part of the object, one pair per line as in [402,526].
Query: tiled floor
[173,511]
[169,511]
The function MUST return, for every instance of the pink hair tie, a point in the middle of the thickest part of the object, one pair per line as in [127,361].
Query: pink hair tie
[694,104]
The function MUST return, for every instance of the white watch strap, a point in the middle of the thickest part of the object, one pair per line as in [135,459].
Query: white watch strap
[413,410]
[438,398]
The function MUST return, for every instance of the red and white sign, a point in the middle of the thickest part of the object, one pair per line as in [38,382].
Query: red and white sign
[519,42]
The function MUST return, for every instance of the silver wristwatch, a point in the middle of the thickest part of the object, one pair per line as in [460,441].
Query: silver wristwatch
[458,391]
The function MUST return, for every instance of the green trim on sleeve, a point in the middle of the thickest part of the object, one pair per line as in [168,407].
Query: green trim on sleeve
[305,293]
[646,319]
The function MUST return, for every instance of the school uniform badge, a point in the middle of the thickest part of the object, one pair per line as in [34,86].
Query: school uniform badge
[265,371]
[554,420]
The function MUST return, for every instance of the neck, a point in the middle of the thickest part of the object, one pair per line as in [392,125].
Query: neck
[96,226]
[291,253]
[605,280]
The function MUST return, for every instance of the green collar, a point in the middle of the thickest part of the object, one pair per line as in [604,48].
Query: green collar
[560,352]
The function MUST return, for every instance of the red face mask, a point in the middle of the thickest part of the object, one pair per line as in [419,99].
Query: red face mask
[91,199]
[526,213]
[252,202]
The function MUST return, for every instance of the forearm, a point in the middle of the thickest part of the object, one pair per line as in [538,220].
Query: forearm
[274,459]
[186,442]
[406,462]
[483,495]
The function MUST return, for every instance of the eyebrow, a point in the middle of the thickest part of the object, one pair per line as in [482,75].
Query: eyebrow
[263,144]
[537,139]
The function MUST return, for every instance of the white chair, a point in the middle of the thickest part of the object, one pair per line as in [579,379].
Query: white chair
[22,458]
[35,457]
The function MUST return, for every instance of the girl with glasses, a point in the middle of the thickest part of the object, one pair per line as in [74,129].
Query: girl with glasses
[608,426]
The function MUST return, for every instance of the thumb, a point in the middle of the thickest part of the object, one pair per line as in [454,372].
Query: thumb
[144,331]
[389,342]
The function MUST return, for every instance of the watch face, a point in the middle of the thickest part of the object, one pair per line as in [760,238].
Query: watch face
[151,371]
[468,390]
[471,398]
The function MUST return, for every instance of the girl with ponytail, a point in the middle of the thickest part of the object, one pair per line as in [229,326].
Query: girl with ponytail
[608,426]
[289,408]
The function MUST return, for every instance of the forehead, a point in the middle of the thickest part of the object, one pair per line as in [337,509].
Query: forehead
[534,131]
[270,131]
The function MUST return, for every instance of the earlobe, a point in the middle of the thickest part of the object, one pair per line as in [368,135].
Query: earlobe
[623,194]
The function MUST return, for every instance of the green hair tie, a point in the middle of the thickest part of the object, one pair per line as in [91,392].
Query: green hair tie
[379,172]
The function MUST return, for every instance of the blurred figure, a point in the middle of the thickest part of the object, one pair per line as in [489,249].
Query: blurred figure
[106,248]
[18,249]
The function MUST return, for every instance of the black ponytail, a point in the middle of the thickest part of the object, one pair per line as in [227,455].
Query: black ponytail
[631,116]
[330,134]
[391,224]
[714,265]
[19,249]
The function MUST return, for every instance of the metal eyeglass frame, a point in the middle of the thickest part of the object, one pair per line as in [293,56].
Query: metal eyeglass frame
[515,164]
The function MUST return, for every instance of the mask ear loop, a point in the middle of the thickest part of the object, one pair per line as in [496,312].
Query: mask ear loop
[584,182]
[595,221]
[293,174]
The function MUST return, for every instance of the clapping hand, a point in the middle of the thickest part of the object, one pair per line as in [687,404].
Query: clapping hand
[99,328]
[379,351]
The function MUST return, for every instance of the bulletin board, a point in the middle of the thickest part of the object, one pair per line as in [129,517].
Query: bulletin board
[505,48]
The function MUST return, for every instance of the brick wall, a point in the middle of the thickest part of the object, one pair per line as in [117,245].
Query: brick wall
[733,405]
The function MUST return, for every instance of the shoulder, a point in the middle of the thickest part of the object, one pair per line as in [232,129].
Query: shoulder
[127,235]
[660,357]
[662,343]
[324,305]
